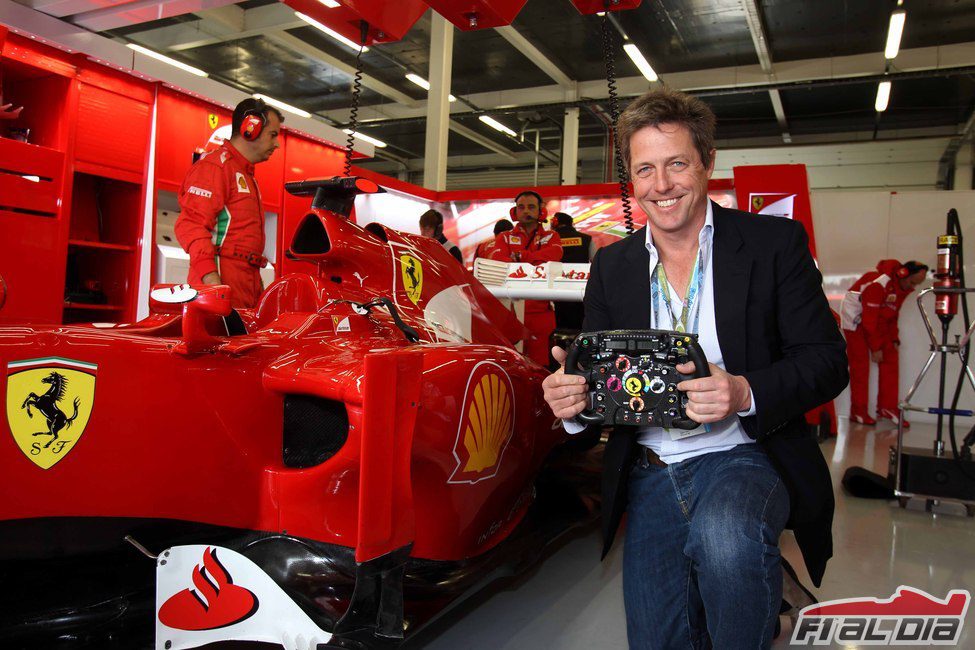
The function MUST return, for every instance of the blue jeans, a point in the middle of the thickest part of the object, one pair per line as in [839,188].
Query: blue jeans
[701,561]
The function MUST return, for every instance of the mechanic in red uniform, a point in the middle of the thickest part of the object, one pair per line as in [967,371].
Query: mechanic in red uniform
[221,219]
[872,335]
[529,242]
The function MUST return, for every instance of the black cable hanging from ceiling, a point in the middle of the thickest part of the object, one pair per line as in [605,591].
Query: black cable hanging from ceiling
[614,109]
[356,91]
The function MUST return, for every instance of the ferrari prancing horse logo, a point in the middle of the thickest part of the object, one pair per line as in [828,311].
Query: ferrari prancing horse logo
[49,402]
[412,277]
[213,120]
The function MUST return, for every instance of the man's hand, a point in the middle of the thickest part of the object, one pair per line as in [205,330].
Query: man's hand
[566,395]
[212,278]
[877,356]
[714,398]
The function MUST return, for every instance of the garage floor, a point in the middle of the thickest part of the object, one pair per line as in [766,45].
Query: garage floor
[572,601]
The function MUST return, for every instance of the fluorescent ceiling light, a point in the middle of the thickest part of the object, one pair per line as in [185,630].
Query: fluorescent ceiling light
[424,84]
[373,141]
[331,4]
[282,105]
[894,32]
[883,96]
[166,59]
[494,124]
[331,32]
[637,57]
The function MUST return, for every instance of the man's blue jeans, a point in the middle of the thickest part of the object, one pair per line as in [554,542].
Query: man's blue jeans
[701,562]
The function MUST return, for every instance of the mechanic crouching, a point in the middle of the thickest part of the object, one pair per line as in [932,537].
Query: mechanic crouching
[701,561]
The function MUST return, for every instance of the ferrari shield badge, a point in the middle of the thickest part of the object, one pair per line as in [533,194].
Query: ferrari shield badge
[212,120]
[49,402]
[757,202]
[412,277]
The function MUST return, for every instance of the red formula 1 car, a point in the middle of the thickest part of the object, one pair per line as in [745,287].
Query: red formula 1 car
[333,469]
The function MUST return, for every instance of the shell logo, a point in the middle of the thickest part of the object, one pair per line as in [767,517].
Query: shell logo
[486,424]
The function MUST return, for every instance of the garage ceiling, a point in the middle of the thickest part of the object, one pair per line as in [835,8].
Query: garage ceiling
[818,63]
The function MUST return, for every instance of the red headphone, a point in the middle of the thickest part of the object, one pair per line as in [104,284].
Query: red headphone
[903,271]
[542,212]
[255,119]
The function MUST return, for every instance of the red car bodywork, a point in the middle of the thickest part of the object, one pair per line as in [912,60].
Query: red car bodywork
[444,438]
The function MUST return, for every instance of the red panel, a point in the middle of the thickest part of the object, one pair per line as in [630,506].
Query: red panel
[32,247]
[38,55]
[183,126]
[23,163]
[113,129]
[388,21]
[594,6]
[468,15]
[776,189]
[118,82]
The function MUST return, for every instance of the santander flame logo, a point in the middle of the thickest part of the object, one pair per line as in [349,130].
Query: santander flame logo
[215,602]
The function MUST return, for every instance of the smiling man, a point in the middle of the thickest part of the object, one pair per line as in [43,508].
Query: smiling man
[701,562]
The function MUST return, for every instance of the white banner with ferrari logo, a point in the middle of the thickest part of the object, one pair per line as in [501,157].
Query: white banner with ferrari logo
[49,402]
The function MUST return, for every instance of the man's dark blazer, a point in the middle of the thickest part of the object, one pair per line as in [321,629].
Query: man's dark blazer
[774,327]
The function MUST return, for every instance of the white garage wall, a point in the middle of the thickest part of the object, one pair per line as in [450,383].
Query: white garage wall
[883,165]
[854,230]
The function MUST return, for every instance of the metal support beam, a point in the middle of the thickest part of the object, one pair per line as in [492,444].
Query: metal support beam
[301,47]
[139,11]
[438,104]
[474,136]
[534,55]
[753,16]
[780,114]
[218,26]
[570,147]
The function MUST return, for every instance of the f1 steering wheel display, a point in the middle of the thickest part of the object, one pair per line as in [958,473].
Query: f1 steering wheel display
[633,375]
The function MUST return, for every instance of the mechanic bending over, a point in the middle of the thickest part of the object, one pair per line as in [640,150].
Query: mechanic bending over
[431,225]
[705,511]
[529,242]
[221,219]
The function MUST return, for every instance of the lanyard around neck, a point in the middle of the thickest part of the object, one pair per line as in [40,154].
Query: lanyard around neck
[660,289]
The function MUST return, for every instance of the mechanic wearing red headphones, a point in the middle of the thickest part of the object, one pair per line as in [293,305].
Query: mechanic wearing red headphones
[869,320]
[529,242]
[221,219]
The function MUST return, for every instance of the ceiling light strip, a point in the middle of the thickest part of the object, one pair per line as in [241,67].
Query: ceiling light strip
[331,32]
[894,33]
[166,59]
[279,104]
[641,63]
[494,124]
[365,138]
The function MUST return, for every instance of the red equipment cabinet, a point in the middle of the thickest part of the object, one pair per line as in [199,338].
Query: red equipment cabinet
[89,134]
[469,15]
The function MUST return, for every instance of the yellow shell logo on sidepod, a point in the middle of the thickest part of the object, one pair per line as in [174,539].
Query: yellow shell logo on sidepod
[486,426]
